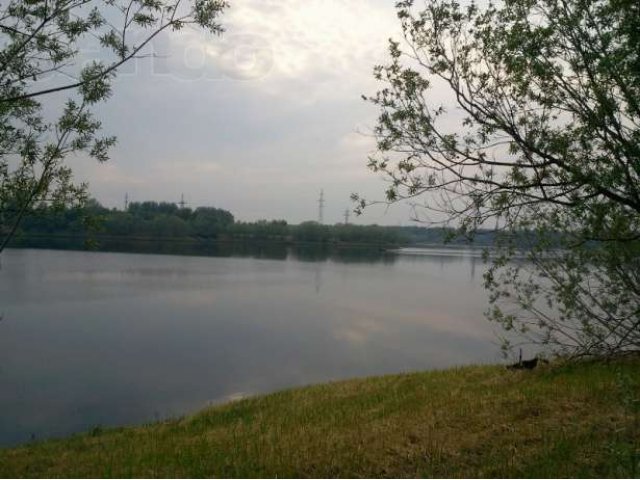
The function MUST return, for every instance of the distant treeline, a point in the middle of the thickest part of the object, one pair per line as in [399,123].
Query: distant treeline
[159,220]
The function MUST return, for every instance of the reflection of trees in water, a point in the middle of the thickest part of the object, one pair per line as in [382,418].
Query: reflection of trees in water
[168,247]
[318,277]
[266,250]
[259,250]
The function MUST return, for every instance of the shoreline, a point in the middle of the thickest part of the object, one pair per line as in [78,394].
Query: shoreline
[475,421]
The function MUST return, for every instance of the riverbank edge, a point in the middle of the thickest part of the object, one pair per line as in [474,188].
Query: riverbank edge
[92,239]
[560,420]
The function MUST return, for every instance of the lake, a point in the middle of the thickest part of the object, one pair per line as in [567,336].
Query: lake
[103,339]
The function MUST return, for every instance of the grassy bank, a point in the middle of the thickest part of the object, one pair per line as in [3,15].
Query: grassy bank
[558,421]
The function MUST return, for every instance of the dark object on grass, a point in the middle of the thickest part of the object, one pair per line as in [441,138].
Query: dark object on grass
[529,364]
[524,364]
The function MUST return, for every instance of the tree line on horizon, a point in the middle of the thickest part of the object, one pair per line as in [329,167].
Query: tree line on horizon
[164,220]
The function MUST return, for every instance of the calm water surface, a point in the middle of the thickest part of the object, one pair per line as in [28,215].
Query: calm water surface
[90,338]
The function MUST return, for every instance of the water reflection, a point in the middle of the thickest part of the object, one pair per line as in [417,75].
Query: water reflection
[318,277]
[108,338]
[194,247]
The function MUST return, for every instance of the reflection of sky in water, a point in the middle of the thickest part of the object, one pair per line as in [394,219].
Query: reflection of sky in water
[101,339]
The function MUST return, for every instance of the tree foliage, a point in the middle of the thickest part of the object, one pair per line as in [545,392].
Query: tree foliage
[163,220]
[43,46]
[524,115]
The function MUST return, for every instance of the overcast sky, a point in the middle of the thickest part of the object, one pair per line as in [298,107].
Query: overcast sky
[257,121]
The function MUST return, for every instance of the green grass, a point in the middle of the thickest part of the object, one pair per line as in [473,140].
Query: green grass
[578,420]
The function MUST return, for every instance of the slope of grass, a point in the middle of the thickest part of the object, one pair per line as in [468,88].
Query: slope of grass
[574,420]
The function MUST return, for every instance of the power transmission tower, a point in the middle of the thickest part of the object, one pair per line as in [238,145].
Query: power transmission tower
[321,207]
[346,216]
[126,201]
[182,203]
